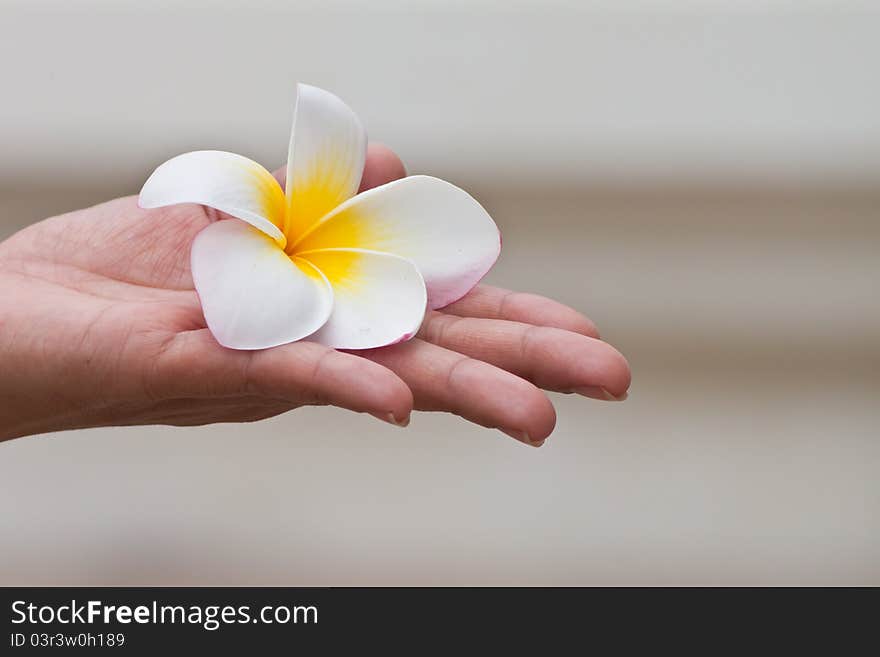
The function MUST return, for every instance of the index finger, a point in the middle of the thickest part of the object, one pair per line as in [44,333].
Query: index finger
[488,302]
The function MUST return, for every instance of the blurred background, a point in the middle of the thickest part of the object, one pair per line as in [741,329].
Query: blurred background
[702,178]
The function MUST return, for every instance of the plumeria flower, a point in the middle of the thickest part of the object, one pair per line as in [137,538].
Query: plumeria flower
[319,261]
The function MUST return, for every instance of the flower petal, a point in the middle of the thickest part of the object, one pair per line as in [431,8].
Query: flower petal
[225,181]
[328,146]
[253,295]
[449,237]
[378,299]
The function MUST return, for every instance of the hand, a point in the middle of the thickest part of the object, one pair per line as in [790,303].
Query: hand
[100,325]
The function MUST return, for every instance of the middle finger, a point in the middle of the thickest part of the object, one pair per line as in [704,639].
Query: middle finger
[443,380]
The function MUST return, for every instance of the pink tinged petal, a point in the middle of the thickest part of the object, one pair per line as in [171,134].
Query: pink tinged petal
[225,181]
[450,238]
[253,295]
[379,299]
[325,161]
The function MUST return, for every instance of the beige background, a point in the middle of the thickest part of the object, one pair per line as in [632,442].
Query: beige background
[701,177]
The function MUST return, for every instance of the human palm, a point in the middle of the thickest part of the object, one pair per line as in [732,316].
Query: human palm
[101,326]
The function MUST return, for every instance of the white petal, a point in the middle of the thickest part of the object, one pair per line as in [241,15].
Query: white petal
[378,299]
[225,181]
[325,162]
[253,295]
[439,227]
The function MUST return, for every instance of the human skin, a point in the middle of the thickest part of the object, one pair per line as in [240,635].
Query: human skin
[100,326]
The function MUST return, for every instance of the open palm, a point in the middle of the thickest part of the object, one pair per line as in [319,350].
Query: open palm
[101,326]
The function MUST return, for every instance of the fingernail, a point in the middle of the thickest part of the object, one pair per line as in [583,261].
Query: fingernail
[597,392]
[390,419]
[523,437]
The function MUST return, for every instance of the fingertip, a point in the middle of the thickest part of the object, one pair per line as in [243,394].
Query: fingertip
[280,174]
[533,418]
[584,325]
[386,393]
[542,421]
[596,370]
[382,166]
[616,375]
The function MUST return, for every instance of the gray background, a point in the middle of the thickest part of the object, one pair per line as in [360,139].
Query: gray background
[700,177]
